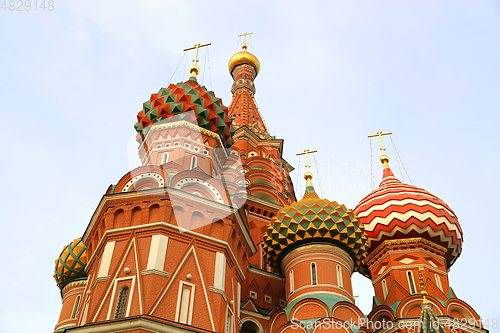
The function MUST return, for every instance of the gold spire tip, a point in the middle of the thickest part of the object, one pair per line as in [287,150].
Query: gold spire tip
[384,159]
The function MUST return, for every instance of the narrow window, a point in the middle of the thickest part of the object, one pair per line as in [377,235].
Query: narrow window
[314,278]
[185,304]
[411,283]
[121,303]
[194,162]
[292,282]
[76,307]
[438,282]
[384,288]
[164,158]
[339,277]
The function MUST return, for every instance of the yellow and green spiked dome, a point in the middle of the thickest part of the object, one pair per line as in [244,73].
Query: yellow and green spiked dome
[71,263]
[311,220]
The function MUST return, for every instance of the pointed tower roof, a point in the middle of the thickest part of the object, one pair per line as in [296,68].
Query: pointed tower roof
[244,67]
[400,211]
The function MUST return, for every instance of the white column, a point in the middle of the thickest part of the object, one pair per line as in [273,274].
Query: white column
[157,252]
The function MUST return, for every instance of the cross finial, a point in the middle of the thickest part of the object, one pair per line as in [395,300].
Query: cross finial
[306,152]
[194,69]
[421,282]
[379,134]
[384,159]
[245,40]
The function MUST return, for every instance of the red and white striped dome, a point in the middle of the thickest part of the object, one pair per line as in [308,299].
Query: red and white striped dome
[397,211]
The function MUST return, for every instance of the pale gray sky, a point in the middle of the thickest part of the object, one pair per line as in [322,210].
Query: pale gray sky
[73,79]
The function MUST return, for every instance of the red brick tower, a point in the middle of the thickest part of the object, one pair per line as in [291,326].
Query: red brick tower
[268,188]
[412,233]
[167,249]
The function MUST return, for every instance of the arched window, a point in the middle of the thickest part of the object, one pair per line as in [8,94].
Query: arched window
[164,158]
[76,307]
[314,278]
[438,282]
[292,282]
[194,162]
[339,277]
[121,303]
[384,288]
[411,282]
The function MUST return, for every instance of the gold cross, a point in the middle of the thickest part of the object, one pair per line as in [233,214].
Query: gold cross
[196,46]
[379,134]
[245,41]
[423,287]
[306,152]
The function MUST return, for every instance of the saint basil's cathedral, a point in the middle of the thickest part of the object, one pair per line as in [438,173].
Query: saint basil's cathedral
[207,235]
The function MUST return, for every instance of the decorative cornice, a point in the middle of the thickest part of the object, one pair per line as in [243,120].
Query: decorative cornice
[218,291]
[155,271]
[400,242]
[73,284]
[181,123]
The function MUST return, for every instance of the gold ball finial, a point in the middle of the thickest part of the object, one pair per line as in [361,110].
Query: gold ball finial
[194,70]
[384,159]
[308,175]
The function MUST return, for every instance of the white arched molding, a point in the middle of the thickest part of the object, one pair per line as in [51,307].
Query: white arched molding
[136,180]
[192,180]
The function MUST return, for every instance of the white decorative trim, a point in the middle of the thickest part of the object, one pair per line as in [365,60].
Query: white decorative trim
[218,291]
[155,271]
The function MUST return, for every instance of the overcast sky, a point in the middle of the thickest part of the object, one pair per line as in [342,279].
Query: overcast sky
[73,79]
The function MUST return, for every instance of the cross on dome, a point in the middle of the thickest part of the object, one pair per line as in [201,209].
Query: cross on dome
[245,40]
[194,68]
[384,158]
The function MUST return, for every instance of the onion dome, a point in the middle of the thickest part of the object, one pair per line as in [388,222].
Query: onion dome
[244,57]
[186,101]
[310,220]
[70,265]
[398,211]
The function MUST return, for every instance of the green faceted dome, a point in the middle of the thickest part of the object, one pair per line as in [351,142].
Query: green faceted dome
[71,263]
[314,219]
[190,102]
